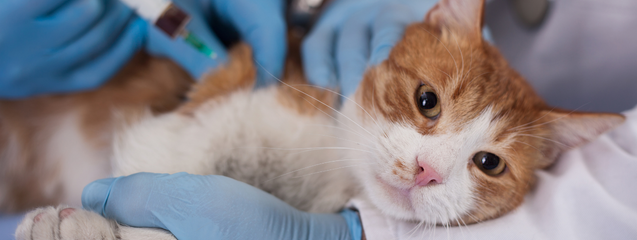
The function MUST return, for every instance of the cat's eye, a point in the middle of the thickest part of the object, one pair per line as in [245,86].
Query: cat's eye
[489,163]
[427,101]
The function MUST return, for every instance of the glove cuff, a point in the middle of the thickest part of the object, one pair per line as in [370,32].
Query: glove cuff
[353,223]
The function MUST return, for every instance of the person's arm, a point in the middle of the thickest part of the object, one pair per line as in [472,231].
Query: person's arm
[211,207]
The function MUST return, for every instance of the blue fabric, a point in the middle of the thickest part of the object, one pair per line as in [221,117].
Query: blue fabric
[208,207]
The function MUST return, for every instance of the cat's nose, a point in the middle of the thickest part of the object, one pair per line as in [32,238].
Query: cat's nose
[427,175]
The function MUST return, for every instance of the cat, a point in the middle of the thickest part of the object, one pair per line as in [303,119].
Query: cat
[442,132]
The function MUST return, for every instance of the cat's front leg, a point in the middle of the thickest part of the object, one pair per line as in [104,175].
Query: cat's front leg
[69,223]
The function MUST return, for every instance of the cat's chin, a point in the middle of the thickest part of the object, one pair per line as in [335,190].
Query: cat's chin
[414,204]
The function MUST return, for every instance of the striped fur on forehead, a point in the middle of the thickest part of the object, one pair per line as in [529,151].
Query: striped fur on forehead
[465,75]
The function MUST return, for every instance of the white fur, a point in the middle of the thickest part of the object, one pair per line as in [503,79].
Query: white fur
[85,155]
[66,149]
[304,160]
[81,224]
[393,190]
[250,137]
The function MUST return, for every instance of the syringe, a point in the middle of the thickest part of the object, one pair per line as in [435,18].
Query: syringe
[169,18]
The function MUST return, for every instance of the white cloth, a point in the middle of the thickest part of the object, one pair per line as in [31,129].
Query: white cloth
[590,193]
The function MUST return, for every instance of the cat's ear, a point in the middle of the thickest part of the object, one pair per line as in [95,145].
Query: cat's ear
[463,15]
[571,129]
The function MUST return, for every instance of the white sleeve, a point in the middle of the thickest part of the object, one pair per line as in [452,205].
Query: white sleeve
[590,193]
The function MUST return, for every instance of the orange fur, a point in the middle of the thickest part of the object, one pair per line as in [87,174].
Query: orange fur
[447,53]
[26,125]
[144,83]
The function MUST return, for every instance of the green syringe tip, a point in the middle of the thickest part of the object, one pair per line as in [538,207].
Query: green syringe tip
[200,46]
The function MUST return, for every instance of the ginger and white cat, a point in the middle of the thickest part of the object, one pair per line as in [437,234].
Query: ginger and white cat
[442,132]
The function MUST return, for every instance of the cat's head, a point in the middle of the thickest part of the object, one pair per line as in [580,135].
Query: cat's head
[449,133]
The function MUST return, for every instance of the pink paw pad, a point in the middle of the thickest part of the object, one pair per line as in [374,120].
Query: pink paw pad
[38,217]
[66,212]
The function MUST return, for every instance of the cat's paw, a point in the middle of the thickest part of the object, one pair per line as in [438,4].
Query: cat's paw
[66,223]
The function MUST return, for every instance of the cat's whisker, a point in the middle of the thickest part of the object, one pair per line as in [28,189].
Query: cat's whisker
[310,96]
[315,165]
[543,138]
[476,77]
[473,217]
[415,229]
[333,169]
[349,99]
[467,227]
[348,140]
[343,129]
[374,102]
[538,150]
[463,82]
[455,38]
[445,46]
[526,124]
[329,115]
[460,227]
[447,228]
[449,76]
[557,119]
[312,149]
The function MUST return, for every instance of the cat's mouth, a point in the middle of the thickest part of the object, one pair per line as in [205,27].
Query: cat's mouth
[397,194]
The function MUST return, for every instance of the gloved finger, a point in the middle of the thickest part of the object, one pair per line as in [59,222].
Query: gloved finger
[34,8]
[318,48]
[69,22]
[262,25]
[352,50]
[99,70]
[317,53]
[99,38]
[123,199]
[388,29]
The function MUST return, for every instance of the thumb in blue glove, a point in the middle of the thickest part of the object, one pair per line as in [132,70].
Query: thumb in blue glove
[210,207]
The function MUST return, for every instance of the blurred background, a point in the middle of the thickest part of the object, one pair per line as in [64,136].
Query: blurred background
[582,54]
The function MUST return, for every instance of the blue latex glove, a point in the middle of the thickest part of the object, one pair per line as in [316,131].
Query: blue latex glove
[211,207]
[260,23]
[58,46]
[54,46]
[353,35]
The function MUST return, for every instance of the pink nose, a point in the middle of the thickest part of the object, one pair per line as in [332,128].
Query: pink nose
[427,175]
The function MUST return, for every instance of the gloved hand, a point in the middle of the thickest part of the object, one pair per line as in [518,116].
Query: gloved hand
[352,35]
[53,46]
[210,207]
[70,45]
[260,23]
